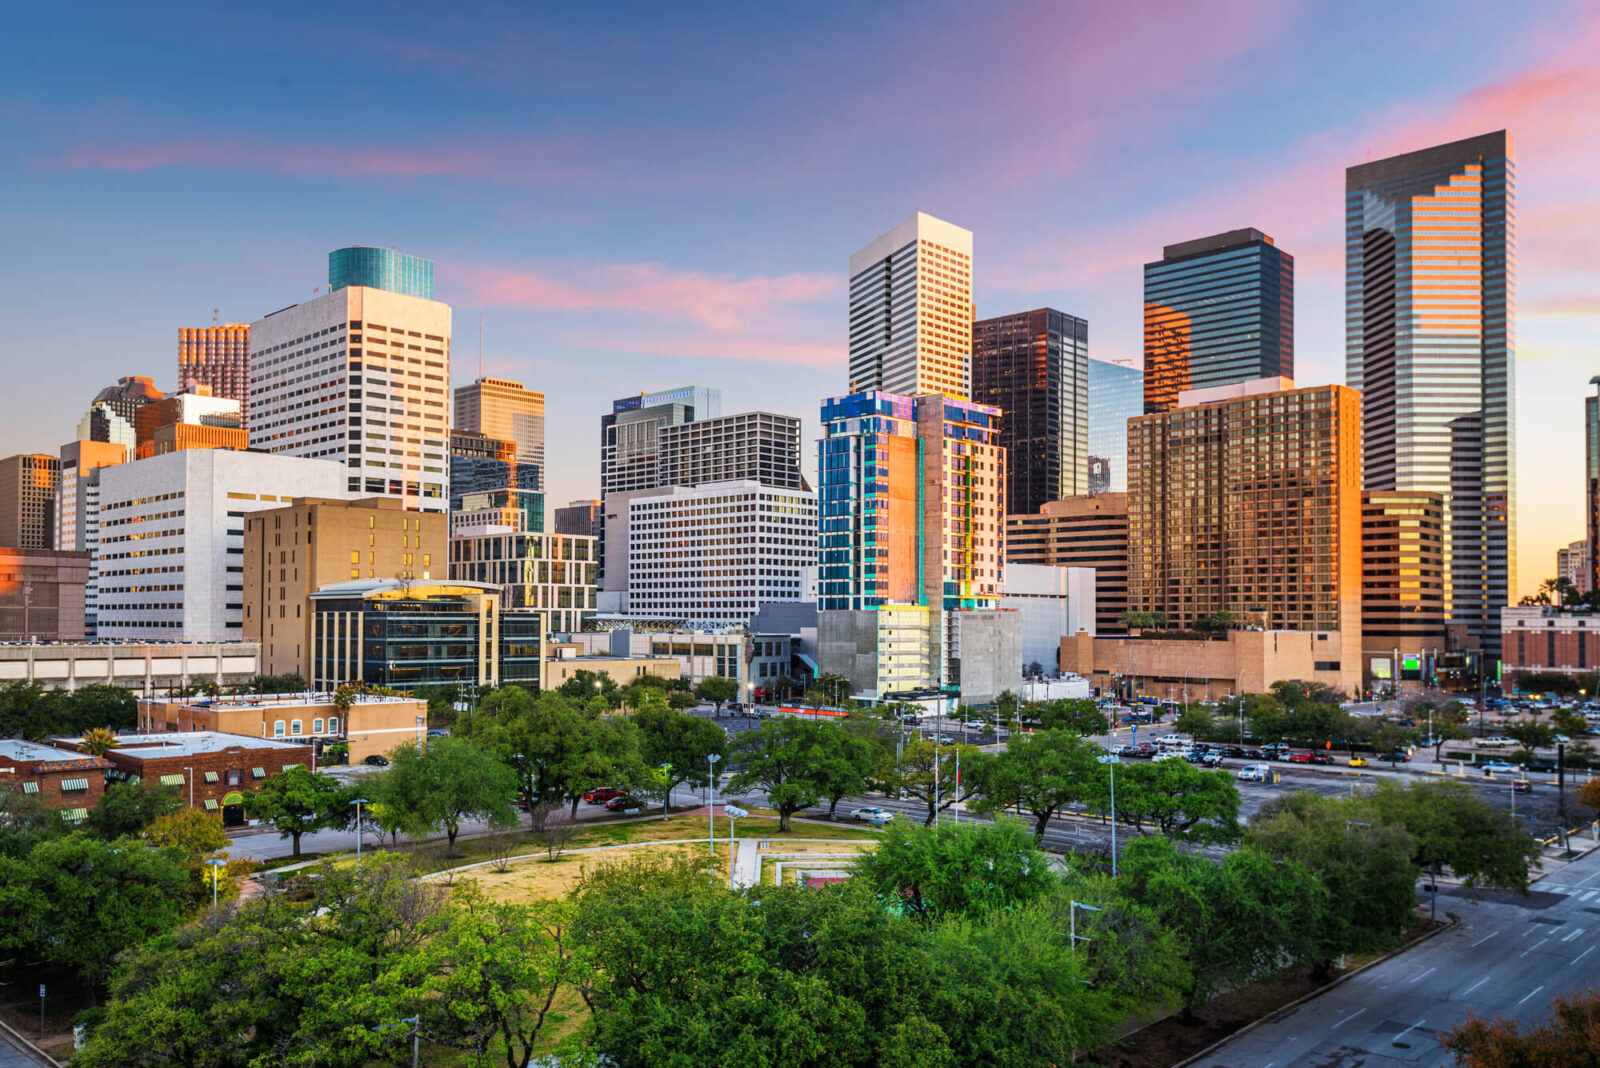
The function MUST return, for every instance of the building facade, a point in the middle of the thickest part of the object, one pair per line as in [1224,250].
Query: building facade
[1591,481]
[1217,310]
[1080,532]
[78,510]
[207,770]
[1572,564]
[1034,367]
[1052,603]
[217,357]
[380,268]
[372,724]
[172,532]
[1116,394]
[1547,639]
[717,552]
[581,517]
[483,464]
[507,410]
[549,573]
[1430,283]
[42,594]
[29,483]
[64,779]
[293,550]
[359,377]
[1402,584]
[190,419]
[112,413]
[1185,669]
[911,311]
[1250,503]
[760,446]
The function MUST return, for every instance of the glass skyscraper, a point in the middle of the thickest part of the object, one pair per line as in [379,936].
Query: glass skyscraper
[1217,311]
[1430,256]
[380,268]
[1591,481]
[1034,367]
[1116,394]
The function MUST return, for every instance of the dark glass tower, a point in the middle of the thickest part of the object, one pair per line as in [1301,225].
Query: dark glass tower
[1034,367]
[1217,311]
[1591,481]
[1430,267]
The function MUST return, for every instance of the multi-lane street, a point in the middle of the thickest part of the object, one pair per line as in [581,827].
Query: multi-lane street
[1508,956]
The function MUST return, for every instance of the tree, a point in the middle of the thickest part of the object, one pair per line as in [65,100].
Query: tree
[25,821]
[194,838]
[1007,709]
[1567,1038]
[557,748]
[1588,795]
[1043,773]
[1452,827]
[1078,715]
[584,686]
[683,741]
[96,740]
[791,759]
[126,808]
[845,768]
[929,772]
[1196,722]
[971,869]
[718,690]
[452,781]
[78,901]
[1139,620]
[1532,734]
[296,802]
[1181,800]
[98,705]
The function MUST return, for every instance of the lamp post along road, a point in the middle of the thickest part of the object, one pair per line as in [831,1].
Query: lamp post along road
[666,791]
[1112,760]
[711,806]
[216,876]
[1072,921]
[358,802]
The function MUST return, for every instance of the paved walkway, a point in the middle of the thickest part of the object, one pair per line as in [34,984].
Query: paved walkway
[746,870]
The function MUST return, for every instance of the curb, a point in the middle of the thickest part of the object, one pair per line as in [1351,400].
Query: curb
[26,1047]
[1284,1010]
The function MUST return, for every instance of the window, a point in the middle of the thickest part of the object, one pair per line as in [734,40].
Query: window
[294,728]
[316,726]
[333,724]
[277,729]
[234,776]
[78,786]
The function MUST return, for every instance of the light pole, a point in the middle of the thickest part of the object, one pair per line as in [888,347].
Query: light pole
[216,866]
[358,802]
[666,791]
[1072,921]
[711,805]
[733,812]
[191,786]
[1112,760]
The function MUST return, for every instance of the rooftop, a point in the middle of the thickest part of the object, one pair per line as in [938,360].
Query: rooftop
[188,744]
[33,752]
[286,700]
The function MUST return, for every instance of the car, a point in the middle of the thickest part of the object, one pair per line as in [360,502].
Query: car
[1396,757]
[872,815]
[1253,773]
[1299,758]
[975,725]
[735,706]
[1358,762]
[620,802]
[1497,765]
[1544,764]
[601,794]
[377,761]
[1494,742]
[1522,786]
[1322,758]
[1233,751]
[1170,754]
[945,739]
[438,732]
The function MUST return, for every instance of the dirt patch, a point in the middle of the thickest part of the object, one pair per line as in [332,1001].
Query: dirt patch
[1169,1041]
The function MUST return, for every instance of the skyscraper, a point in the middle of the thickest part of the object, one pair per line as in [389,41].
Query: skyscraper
[113,413]
[216,356]
[1034,367]
[1116,394]
[359,376]
[78,508]
[1591,480]
[1430,342]
[380,268]
[759,446]
[28,486]
[505,410]
[911,310]
[1217,310]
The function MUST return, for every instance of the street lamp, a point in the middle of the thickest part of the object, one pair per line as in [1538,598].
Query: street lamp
[216,865]
[666,793]
[416,1031]
[1112,760]
[1072,920]
[191,786]
[358,802]
[711,805]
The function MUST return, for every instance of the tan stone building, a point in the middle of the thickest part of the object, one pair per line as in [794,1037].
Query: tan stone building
[28,486]
[1243,661]
[564,660]
[370,725]
[290,552]
[1080,532]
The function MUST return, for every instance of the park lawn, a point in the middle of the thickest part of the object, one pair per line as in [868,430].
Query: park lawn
[542,878]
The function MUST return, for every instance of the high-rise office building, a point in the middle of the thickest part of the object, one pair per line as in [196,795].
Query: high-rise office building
[1250,502]
[360,377]
[1572,564]
[78,509]
[29,483]
[172,532]
[911,310]
[1034,367]
[1217,310]
[760,446]
[506,410]
[548,573]
[581,517]
[380,268]
[480,463]
[1591,480]
[1080,532]
[1402,582]
[293,550]
[216,356]
[189,419]
[1116,394]
[113,413]
[42,595]
[1430,267]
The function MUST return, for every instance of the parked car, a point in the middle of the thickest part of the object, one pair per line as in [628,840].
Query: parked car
[1396,758]
[1497,765]
[1544,764]
[1358,762]
[872,815]
[1522,786]
[438,732]
[945,739]
[1253,773]
[377,761]
[620,802]
[601,794]
[1494,742]
[1170,754]
[1299,758]
[1322,758]
[975,725]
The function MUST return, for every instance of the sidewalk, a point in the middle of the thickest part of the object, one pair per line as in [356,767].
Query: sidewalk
[746,870]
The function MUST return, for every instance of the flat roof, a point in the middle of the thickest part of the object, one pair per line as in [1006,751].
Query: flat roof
[190,743]
[280,700]
[20,751]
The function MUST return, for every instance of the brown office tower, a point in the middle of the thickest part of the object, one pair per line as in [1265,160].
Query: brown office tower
[1402,586]
[1080,532]
[28,486]
[1034,367]
[218,357]
[290,552]
[507,410]
[1248,502]
[581,517]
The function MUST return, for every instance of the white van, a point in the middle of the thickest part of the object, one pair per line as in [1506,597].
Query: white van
[1172,741]
[1253,773]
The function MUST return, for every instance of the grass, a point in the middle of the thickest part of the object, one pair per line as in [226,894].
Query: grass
[542,878]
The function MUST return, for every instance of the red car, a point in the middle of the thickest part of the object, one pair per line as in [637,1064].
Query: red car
[601,795]
[1300,758]
[620,802]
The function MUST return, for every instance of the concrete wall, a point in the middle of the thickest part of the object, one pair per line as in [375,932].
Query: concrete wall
[847,644]
[989,653]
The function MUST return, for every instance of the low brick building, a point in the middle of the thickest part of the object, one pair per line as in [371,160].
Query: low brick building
[213,770]
[64,779]
[1536,638]
[371,725]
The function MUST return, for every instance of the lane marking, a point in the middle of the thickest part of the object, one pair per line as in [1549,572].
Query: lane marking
[1347,1019]
[1484,939]
[1588,895]
[1573,935]
[1425,974]
[1406,1032]
[1530,993]
[1555,889]
[1582,955]
[1531,948]
[1473,987]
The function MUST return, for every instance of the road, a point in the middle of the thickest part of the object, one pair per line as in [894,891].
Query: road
[1508,956]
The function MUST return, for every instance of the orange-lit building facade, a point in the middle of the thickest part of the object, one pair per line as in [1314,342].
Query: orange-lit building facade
[217,357]
[29,483]
[507,410]
[1402,585]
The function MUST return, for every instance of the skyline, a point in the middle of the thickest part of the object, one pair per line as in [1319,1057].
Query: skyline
[626,223]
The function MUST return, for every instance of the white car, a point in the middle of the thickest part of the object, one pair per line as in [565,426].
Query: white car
[1253,773]
[1494,743]
[1170,754]
[975,725]
[872,815]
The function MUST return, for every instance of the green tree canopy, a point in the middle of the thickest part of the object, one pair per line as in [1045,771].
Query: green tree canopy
[297,802]
[1179,799]
[1079,715]
[557,748]
[718,690]
[1042,773]
[451,781]
[126,808]
[684,741]
[792,758]
[1453,828]
[971,869]
[938,775]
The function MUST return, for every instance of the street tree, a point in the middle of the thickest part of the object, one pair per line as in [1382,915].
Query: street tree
[1007,710]
[451,781]
[1453,828]
[126,808]
[1042,773]
[1588,795]
[586,685]
[791,759]
[718,690]
[1569,1037]
[683,741]
[297,802]
[1531,734]
[1179,799]
[558,748]
[1079,715]
[25,821]
[971,869]
[932,773]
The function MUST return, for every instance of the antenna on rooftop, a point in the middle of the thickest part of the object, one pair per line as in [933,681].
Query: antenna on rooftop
[214,316]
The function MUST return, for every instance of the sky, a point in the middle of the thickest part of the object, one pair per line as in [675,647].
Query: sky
[635,196]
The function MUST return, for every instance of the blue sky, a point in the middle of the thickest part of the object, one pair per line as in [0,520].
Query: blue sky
[637,197]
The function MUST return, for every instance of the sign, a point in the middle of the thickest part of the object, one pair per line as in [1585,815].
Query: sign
[1380,667]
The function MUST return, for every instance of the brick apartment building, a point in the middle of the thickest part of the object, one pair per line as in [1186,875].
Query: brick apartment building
[64,779]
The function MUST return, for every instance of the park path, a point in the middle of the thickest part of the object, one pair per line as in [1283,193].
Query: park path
[746,867]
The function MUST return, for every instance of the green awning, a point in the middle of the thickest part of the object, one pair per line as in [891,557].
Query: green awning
[211,806]
[30,787]
[74,815]
[291,767]
[260,773]
[172,780]
[211,776]
[74,784]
